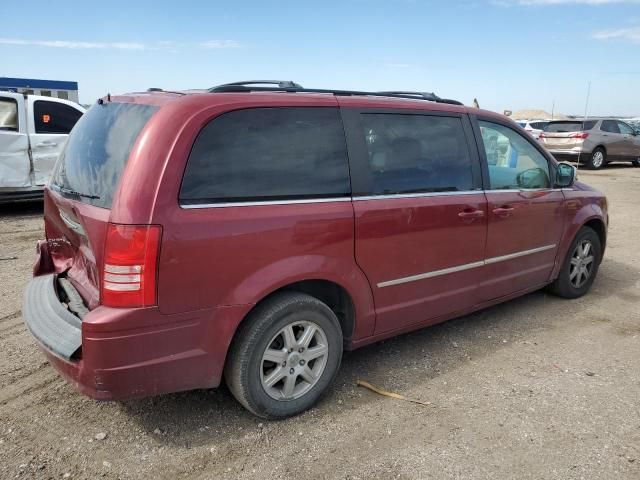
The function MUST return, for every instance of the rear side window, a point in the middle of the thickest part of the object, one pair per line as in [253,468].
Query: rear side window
[416,153]
[610,126]
[266,154]
[97,151]
[568,127]
[8,115]
[54,117]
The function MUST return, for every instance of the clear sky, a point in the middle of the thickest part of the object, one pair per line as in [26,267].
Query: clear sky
[510,54]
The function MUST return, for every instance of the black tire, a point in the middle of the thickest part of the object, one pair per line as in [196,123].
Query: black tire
[597,159]
[244,369]
[563,286]
[636,162]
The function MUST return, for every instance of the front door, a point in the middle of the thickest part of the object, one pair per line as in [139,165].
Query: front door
[525,214]
[49,125]
[420,213]
[614,141]
[631,141]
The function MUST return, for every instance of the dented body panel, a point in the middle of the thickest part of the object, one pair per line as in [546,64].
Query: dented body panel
[27,155]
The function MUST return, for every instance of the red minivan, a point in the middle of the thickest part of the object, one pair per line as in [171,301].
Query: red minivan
[254,231]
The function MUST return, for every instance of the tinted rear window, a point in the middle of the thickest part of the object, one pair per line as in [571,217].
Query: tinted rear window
[566,127]
[610,126]
[54,117]
[97,151]
[268,154]
[416,153]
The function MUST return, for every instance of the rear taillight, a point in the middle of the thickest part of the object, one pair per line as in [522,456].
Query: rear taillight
[130,265]
[580,135]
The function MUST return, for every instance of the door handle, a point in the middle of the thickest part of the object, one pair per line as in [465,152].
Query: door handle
[46,143]
[503,211]
[471,213]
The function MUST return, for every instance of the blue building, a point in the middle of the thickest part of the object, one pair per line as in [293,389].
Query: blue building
[48,88]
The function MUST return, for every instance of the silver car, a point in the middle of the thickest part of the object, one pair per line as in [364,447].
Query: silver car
[594,142]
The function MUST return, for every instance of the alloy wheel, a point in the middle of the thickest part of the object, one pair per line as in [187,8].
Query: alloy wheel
[597,159]
[294,360]
[582,262]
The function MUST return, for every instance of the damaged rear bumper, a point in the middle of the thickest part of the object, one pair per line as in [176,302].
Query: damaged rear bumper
[55,327]
[122,353]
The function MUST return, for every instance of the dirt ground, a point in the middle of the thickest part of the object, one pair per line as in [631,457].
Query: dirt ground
[538,387]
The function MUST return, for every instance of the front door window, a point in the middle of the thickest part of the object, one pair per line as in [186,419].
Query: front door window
[513,162]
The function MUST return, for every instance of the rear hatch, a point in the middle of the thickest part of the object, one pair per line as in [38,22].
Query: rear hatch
[566,135]
[81,191]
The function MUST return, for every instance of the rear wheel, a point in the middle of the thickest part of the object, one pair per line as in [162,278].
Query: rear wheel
[580,266]
[285,355]
[597,159]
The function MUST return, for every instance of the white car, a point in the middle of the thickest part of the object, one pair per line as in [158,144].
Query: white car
[534,127]
[33,131]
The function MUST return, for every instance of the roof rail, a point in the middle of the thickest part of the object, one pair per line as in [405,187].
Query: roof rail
[286,85]
[292,87]
[158,89]
[430,96]
[423,95]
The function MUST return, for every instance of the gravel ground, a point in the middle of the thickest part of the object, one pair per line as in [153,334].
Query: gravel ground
[538,387]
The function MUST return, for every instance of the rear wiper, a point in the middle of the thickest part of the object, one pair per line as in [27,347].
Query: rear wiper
[68,191]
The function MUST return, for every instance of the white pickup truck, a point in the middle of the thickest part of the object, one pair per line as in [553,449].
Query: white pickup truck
[33,131]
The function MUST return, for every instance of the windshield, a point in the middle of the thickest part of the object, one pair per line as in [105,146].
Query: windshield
[97,151]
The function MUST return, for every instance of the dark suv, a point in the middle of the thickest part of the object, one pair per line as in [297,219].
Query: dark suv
[254,231]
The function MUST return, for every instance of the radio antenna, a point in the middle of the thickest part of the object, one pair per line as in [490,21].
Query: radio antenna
[584,119]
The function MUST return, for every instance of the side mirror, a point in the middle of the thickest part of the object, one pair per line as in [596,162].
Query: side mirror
[532,178]
[565,175]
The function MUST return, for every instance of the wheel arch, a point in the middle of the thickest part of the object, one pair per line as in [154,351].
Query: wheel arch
[330,279]
[334,295]
[600,146]
[599,227]
[595,222]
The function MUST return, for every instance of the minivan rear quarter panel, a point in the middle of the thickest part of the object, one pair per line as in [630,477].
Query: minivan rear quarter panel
[222,256]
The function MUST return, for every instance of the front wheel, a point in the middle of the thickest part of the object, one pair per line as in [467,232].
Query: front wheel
[597,159]
[636,162]
[285,355]
[580,266]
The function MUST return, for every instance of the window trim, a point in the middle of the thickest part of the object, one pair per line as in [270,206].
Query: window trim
[358,152]
[257,201]
[10,99]
[299,201]
[486,182]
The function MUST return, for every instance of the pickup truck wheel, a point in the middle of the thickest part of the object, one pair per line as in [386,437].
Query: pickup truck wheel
[284,355]
[580,266]
[598,159]
[636,162]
